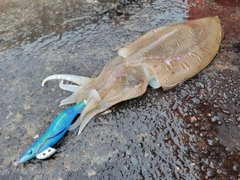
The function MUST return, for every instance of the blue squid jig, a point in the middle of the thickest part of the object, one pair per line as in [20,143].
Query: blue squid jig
[42,148]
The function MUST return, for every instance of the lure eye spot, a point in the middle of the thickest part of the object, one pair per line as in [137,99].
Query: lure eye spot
[29,152]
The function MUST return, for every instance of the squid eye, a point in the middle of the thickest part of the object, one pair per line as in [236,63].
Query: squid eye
[29,152]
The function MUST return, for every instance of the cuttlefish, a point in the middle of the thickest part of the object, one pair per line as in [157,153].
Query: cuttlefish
[164,57]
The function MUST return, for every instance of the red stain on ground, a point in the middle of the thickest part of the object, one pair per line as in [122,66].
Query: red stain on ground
[229,3]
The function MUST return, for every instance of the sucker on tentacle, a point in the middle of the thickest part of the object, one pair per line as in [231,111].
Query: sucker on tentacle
[164,57]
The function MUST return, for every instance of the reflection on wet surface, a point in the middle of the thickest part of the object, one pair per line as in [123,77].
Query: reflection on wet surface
[189,132]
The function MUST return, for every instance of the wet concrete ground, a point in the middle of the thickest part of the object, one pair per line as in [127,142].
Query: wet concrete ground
[189,132]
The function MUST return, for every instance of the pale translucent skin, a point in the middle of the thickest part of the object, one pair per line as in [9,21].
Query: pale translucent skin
[164,57]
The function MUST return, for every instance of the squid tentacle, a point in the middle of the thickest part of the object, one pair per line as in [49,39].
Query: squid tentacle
[80,80]
[92,102]
[68,87]
[69,100]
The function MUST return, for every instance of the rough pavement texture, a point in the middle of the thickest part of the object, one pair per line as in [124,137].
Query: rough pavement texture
[189,132]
